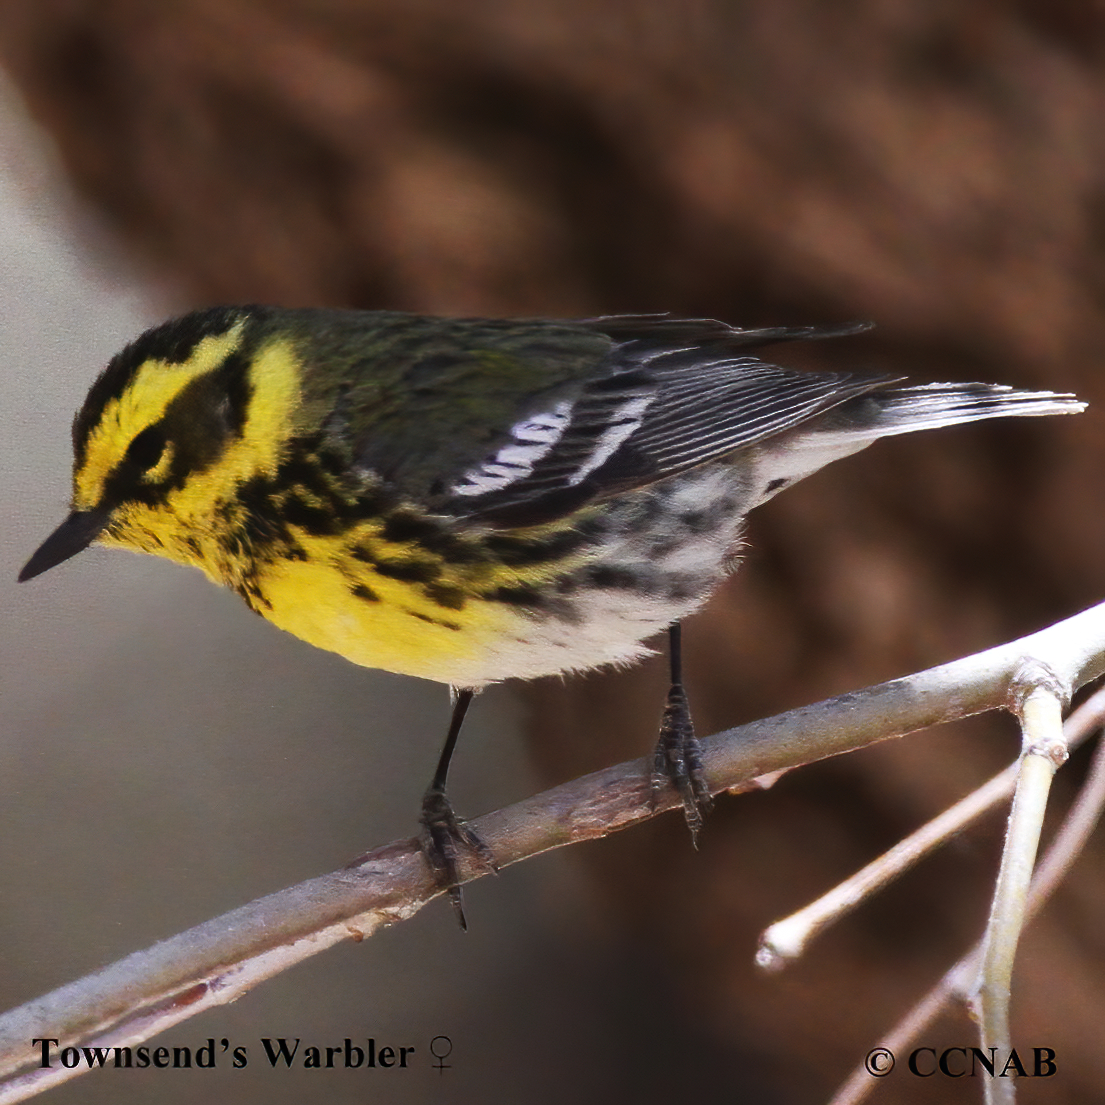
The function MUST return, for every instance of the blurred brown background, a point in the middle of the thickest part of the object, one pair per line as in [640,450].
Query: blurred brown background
[938,168]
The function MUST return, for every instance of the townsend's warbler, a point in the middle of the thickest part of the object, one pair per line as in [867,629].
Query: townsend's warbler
[469,500]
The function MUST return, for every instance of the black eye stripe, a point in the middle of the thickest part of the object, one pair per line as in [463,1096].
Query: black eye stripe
[147,448]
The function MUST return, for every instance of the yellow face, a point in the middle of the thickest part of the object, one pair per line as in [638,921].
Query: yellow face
[164,443]
[140,407]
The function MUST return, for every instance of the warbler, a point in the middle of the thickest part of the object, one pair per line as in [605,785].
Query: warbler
[471,500]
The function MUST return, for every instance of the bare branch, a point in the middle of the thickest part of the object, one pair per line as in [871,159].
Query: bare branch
[217,961]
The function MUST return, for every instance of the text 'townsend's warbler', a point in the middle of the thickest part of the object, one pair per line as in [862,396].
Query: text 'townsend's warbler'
[469,500]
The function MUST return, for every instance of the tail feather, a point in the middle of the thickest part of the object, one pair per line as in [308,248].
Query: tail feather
[863,419]
[928,406]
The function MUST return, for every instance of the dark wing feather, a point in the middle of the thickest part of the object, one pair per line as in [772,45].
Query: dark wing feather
[670,395]
[657,334]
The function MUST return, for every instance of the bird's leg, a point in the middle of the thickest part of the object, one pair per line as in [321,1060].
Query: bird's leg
[444,834]
[678,757]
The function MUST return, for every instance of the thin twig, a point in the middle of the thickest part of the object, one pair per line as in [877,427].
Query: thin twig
[1084,815]
[1069,841]
[861,1083]
[787,938]
[1044,750]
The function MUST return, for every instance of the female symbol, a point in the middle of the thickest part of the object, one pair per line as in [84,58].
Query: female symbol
[441,1052]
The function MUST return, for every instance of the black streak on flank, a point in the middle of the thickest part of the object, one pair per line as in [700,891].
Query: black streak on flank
[409,571]
[610,578]
[518,551]
[446,594]
[362,591]
[430,536]
[518,596]
[403,525]
[696,521]
[530,598]
[432,621]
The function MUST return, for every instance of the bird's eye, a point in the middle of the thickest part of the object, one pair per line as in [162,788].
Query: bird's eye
[145,450]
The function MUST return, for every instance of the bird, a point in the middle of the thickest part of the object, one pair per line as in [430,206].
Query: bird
[472,500]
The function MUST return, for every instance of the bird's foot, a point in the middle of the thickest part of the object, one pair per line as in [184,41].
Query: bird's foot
[444,838]
[678,762]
